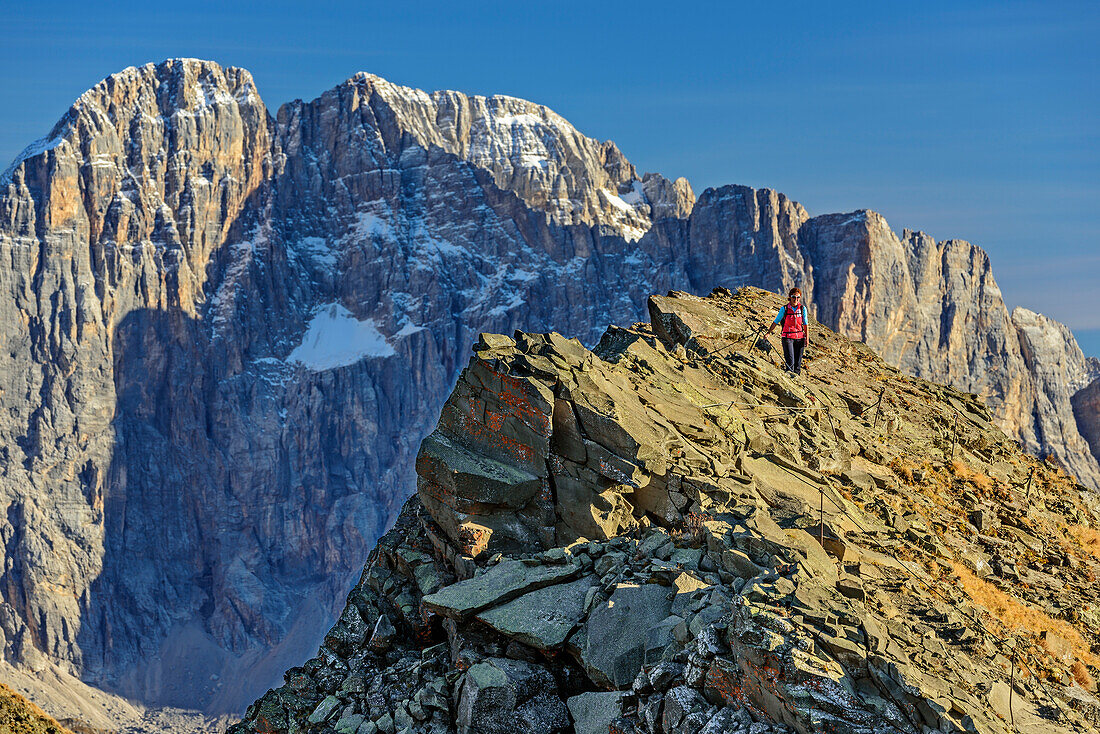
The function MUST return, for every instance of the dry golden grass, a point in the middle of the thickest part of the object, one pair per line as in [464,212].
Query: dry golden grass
[977,479]
[1082,676]
[1087,537]
[1017,616]
[904,468]
[960,469]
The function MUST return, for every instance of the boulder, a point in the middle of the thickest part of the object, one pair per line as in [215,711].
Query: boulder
[501,583]
[502,696]
[610,645]
[542,618]
[593,712]
[324,710]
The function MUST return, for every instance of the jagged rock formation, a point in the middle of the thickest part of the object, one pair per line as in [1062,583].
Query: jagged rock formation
[225,334]
[1059,375]
[670,534]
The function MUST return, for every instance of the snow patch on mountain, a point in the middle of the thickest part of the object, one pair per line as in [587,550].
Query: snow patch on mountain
[38,147]
[335,338]
[316,249]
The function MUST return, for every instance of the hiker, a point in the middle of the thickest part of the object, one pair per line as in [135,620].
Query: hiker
[795,330]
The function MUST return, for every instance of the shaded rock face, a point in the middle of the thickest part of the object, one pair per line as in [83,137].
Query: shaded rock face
[1086,408]
[737,551]
[225,334]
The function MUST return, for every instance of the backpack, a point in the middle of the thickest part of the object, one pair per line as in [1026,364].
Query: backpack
[794,322]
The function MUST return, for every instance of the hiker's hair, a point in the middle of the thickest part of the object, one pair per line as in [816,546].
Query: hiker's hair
[794,292]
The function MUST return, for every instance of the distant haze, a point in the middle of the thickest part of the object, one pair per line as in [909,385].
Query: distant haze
[977,122]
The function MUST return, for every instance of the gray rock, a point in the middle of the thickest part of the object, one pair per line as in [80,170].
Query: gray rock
[593,712]
[349,724]
[722,722]
[660,637]
[739,564]
[383,633]
[324,709]
[541,618]
[501,583]
[385,724]
[679,703]
[610,562]
[662,675]
[611,644]
[501,696]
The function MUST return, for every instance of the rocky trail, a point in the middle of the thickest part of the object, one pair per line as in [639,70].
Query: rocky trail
[669,533]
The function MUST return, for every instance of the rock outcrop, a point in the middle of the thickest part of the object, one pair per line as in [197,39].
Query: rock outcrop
[669,534]
[225,334]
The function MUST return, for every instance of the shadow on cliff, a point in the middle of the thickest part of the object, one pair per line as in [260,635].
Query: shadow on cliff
[177,617]
[156,491]
[233,527]
[210,589]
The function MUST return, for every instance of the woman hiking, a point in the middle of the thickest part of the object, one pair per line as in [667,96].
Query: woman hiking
[795,330]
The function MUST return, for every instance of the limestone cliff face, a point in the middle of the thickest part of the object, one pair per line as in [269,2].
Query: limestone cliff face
[1086,408]
[738,236]
[226,332]
[526,148]
[108,223]
[1058,374]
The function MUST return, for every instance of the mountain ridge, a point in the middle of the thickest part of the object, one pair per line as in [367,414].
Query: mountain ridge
[170,252]
[669,533]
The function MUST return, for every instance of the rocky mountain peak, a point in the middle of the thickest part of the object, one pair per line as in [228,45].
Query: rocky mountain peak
[668,533]
[227,335]
[160,156]
[527,148]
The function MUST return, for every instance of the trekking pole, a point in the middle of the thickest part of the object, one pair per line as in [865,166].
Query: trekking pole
[756,336]
[1011,685]
[954,434]
[734,343]
[767,351]
[821,517]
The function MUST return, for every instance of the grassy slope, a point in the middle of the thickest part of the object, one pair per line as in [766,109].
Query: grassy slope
[20,716]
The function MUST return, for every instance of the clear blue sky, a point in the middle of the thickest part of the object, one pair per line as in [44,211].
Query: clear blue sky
[975,120]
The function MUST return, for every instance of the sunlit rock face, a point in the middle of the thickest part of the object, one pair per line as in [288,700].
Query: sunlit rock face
[225,333]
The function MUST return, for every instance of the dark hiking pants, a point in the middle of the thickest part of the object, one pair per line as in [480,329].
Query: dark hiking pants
[792,351]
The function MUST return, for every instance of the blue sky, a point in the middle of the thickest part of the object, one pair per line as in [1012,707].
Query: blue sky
[970,120]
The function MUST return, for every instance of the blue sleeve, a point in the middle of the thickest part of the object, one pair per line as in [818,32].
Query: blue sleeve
[779,318]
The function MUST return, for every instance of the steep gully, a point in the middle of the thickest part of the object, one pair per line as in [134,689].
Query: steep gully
[228,334]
